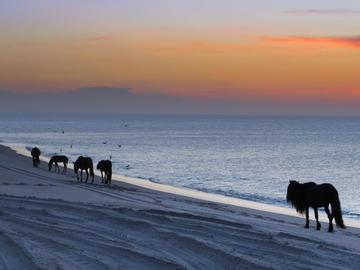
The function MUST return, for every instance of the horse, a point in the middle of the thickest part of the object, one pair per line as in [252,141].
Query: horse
[84,163]
[106,167]
[35,153]
[303,196]
[56,159]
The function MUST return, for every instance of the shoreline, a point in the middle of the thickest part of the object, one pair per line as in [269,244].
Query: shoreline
[52,221]
[195,194]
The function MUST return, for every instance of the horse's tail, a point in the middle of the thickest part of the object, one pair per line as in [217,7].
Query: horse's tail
[109,175]
[336,212]
[92,170]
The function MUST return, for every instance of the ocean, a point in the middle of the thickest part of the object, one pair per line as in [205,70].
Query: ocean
[244,157]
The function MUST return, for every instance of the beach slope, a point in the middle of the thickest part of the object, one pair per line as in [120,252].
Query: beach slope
[51,221]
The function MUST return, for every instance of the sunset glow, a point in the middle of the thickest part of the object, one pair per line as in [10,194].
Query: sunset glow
[211,49]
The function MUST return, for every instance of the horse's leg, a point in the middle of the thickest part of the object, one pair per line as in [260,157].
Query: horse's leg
[318,225]
[64,170]
[330,217]
[102,177]
[81,175]
[87,175]
[307,217]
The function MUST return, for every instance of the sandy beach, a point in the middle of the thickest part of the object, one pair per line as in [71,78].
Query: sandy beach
[51,221]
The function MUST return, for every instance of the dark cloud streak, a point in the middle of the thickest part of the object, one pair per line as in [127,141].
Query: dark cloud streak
[105,100]
[339,11]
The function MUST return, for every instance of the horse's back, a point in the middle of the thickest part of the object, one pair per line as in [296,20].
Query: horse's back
[104,165]
[35,151]
[326,188]
[108,164]
[84,162]
[323,194]
[63,158]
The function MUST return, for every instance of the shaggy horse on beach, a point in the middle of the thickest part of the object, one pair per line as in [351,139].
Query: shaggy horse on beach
[56,160]
[303,196]
[35,153]
[105,166]
[86,164]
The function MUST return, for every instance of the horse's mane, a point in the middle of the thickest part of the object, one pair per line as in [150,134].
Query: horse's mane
[296,195]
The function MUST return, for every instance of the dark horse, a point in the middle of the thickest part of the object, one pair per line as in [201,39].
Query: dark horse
[84,163]
[303,196]
[105,166]
[35,153]
[56,160]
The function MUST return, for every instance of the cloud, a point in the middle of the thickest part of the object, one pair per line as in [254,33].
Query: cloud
[323,42]
[105,100]
[338,11]
[100,38]
[196,46]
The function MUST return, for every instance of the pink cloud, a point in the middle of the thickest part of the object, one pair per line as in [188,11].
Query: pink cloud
[326,42]
[338,11]
[100,38]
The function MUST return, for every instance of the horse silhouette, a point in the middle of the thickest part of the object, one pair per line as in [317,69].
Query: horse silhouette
[84,164]
[105,166]
[35,153]
[303,196]
[56,160]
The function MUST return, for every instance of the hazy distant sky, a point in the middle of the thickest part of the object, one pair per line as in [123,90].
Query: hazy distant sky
[283,51]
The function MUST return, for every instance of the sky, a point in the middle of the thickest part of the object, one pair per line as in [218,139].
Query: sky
[252,52]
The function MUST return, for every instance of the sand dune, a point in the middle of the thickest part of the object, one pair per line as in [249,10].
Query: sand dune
[50,221]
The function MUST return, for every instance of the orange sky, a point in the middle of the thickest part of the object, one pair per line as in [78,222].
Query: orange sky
[223,59]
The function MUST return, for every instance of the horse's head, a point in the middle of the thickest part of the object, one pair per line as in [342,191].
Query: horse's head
[295,195]
[99,165]
[50,164]
[76,168]
[292,190]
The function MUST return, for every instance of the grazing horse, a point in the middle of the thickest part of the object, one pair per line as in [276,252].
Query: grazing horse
[56,160]
[84,163]
[105,166]
[303,196]
[35,153]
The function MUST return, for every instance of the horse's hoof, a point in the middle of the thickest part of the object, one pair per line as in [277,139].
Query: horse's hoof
[306,226]
[318,228]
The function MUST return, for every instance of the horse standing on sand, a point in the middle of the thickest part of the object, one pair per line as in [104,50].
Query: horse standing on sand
[35,153]
[105,166]
[56,160]
[86,164]
[303,196]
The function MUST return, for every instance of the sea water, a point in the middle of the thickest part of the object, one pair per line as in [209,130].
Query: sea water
[244,157]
